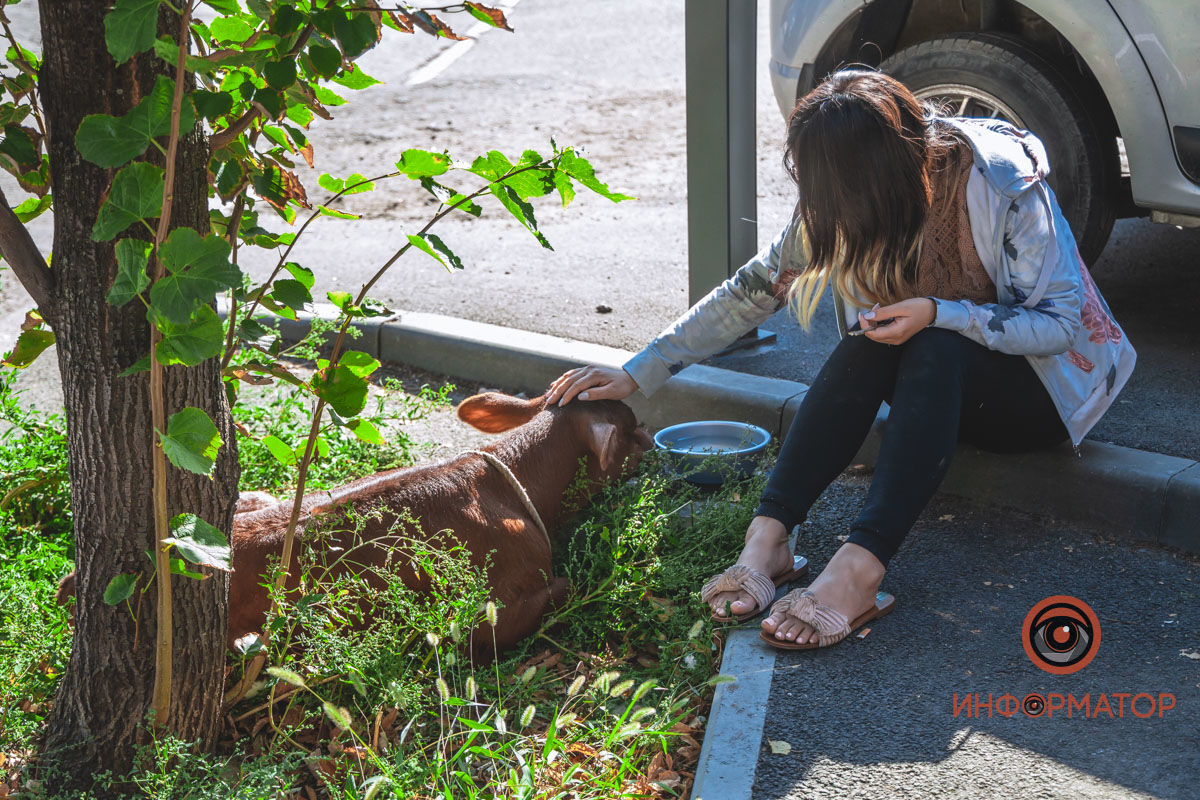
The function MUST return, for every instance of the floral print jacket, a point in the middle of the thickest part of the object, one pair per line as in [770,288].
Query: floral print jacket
[1048,308]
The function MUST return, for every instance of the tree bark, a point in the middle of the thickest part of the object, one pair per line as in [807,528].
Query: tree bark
[99,715]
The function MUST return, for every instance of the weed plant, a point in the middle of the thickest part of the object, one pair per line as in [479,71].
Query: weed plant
[372,690]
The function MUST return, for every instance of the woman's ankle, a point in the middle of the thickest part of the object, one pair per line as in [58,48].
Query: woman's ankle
[861,563]
[766,531]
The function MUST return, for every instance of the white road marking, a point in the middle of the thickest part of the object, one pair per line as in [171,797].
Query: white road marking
[442,61]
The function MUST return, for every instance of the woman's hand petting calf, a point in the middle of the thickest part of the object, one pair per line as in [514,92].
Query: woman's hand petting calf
[591,383]
[908,317]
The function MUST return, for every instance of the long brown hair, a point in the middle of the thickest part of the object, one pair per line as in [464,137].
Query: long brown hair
[863,153]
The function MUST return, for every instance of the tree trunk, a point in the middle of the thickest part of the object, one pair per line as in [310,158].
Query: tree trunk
[99,715]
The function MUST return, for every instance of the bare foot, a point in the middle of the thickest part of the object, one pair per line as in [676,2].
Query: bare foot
[847,584]
[767,551]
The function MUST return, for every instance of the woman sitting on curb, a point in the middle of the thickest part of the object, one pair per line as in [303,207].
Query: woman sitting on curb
[979,322]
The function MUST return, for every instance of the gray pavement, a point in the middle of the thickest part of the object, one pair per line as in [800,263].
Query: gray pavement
[872,717]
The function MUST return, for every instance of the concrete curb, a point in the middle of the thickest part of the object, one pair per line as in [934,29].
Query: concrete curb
[733,735]
[1127,492]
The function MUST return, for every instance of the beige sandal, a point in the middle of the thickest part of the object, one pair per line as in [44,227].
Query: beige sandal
[831,625]
[741,578]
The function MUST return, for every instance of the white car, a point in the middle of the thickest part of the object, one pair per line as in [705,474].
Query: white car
[1110,86]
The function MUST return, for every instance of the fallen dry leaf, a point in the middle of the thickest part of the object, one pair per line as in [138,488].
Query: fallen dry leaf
[946,518]
[1192,654]
[779,747]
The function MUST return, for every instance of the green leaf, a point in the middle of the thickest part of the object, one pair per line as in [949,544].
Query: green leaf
[199,542]
[120,588]
[252,330]
[18,145]
[492,166]
[135,196]
[287,20]
[365,430]
[224,6]
[325,60]
[360,363]
[299,114]
[249,644]
[354,78]
[286,675]
[326,211]
[230,28]
[293,294]
[197,268]
[280,74]
[166,49]
[520,209]
[211,105]
[32,207]
[141,365]
[435,247]
[112,141]
[342,389]
[328,96]
[566,190]
[192,441]
[356,183]
[579,169]
[228,178]
[189,344]
[342,300]
[179,567]
[130,27]
[131,280]
[419,164]
[283,454]
[530,181]
[30,345]
[355,33]
[302,274]
[269,99]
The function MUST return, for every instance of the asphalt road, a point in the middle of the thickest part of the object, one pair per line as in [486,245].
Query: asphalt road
[873,717]
[608,78]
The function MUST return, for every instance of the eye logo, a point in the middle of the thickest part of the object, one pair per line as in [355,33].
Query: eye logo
[1061,634]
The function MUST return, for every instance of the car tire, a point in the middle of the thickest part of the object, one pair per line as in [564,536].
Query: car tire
[1084,164]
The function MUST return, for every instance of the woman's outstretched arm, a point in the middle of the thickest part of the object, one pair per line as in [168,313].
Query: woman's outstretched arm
[728,311]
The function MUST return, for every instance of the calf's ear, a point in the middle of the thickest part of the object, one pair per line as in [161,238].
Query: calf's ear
[603,438]
[494,412]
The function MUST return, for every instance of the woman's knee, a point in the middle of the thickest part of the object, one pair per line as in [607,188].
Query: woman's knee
[935,347]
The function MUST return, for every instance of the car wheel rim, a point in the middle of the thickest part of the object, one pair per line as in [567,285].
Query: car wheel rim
[959,100]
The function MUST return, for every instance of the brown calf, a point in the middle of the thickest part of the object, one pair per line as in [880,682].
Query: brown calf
[466,495]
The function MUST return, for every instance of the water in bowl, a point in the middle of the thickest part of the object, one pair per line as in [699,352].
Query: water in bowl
[710,443]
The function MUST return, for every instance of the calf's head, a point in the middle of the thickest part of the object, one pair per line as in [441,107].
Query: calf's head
[606,429]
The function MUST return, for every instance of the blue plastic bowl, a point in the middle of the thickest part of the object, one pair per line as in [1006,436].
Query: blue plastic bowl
[710,452]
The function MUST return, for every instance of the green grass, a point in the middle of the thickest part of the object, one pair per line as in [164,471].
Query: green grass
[602,702]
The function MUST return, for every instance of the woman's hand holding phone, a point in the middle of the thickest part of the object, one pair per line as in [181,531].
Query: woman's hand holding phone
[897,323]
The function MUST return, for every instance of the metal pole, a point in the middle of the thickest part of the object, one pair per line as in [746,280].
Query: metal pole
[720,38]
[721,172]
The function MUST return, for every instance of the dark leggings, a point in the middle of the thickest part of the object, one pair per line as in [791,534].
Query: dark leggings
[942,387]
